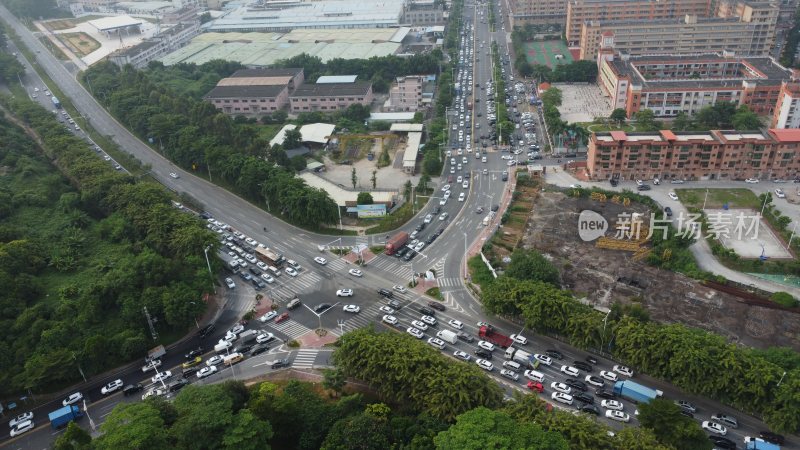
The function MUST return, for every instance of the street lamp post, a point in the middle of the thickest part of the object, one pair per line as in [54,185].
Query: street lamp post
[79,367]
[210,274]
[465,256]
[603,336]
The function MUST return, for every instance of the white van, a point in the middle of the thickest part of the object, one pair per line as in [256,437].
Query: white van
[486,220]
[232,359]
[274,271]
[222,346]
[513,365]
[534,376]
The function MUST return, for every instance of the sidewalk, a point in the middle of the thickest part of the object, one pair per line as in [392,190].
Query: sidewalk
[700,249]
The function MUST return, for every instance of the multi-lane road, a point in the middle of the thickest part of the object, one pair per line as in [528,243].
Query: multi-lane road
[317,284]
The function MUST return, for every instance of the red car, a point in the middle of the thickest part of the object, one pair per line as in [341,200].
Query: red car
[282,318]
[534,386]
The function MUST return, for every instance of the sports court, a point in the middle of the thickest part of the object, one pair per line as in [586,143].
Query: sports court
[549,53]
[744,231]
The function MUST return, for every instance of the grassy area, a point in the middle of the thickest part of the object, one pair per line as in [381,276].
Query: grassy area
[734,197]
[398,218]
[81,43]
[57,52]
[65,24]
[267,132]
[597,127]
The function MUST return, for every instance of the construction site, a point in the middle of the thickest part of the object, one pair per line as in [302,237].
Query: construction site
[614,268]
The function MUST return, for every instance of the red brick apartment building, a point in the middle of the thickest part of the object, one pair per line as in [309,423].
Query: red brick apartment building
[695,155]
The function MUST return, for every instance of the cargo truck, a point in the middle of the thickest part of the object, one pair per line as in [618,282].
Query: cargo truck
[396,242]
[56,103]
[522,357]
[487,333]
[62,416]
[448,336]
[760,444]
[248,337]
[270,257]
[155,353]
[635,392]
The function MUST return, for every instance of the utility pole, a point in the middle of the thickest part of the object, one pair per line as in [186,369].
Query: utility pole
[150,323]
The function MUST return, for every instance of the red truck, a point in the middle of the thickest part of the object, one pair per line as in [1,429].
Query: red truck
[487,333]
[396,242]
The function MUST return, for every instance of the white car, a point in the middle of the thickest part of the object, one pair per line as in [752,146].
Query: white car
[462,196]
[174,175]
[623,370]
[20,418]
[618,415]
[214,360]
[262,265]
[419,246]
[355,272]
[510,374]
[714,427]
[544,359]
[484,364]
[455,324]
[206,371]
[391,320]
[751,180]
[72,399]
[355,309]
[444,216]
[610,376]
[251,259]
[594,381]
[443,200]
[673,196]
[151,365]
[22,427]
[344,293]
[445,188]
[519,339]
[561,398]
[459,178]
[268,278]
[560,387]
[612,404]
[570,371]
[462,355]
[111,387]
[488,346]
[436,342]
[429,320]
[320,260]
[428,218]
[421,325]
[465,184]
[290,271]
[161,376]
[414,332]
[251,241]
[229,282]
[399,289]
[779,193]
[386,309]
[238,328]
[264,337]
[268,316]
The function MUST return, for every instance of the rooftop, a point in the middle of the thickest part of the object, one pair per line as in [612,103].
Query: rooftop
[254,91]
[266,72]
[254,81]
[114,22]
[325,79]
[786,134]
[318,133]
[412,149]
[332,89]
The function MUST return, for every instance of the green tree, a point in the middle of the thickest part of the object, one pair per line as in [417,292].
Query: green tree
[422,185]
[334,379]
[645,120]
[374,179]
[293,139]
[532,265]
[671,427]
[73,438]
[363,431]
[279,116]
[364,198]
[618,115]
[745,119]
[353,177]
[133,426]
[784,299]
[247,433]
[204,416]
[298,162]
[407,190]
[483,428]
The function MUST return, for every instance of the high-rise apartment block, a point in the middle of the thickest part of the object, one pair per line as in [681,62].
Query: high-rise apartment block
[538,12]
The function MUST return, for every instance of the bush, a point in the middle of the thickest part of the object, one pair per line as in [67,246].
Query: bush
[784,299]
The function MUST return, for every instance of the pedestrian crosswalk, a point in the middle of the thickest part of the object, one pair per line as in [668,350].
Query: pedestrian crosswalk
[292,329]
[306,281]
[369,314]
[448,282]
[305,358]
[390,264]
[438,267]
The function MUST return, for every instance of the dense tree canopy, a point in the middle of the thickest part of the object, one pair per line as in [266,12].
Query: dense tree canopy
[483,428]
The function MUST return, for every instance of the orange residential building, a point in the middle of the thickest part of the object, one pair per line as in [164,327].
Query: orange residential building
[695,155]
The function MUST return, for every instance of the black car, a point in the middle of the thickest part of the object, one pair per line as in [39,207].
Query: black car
[243,348]
[178,384]
[591,360]
[132,389]
[554,354]
[402,252]
[421,226]
[439,231]
[687,414]
[206,330]
[410,255]
[668,211]
[427,311]
[644,187]
[192,354]
[775,438]
[386,293]
[582,396]
[483,354]
[602,393]
[576,384]
[495,208]
[430,239]
[721,442]
[435,210]
[258,284]
[278,363]
[255,271]
[586,367]
[258,349]
[394,304]
[189,371]
[614,182]
[436,305]
[322,307]
[589,408]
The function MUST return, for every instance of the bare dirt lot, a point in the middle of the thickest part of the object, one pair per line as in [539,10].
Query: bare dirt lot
[604,277]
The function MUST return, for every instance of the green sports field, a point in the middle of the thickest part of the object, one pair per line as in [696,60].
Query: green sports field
[544,52]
